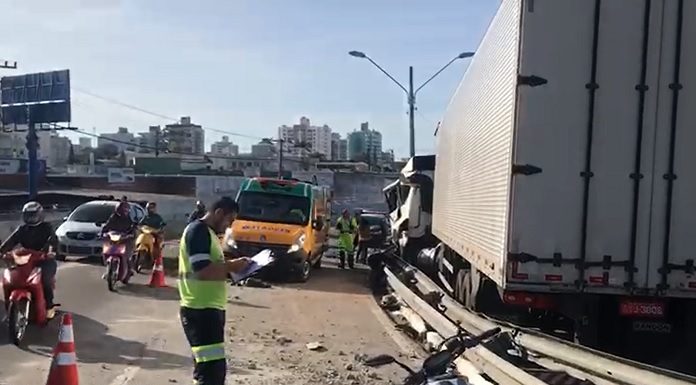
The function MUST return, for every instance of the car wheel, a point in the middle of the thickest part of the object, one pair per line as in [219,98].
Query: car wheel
[302,271]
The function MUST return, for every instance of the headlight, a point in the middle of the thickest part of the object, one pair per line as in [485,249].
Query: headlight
[228,239]
[299,244]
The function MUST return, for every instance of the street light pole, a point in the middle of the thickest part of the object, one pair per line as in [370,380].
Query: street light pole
[410,93]
[411,110]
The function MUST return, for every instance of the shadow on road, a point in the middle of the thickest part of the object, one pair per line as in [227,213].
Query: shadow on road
[239,303]
[331,279]
[94,344]
[167,293]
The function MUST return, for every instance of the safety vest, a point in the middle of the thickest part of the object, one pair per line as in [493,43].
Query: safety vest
[346,226]
[199,294]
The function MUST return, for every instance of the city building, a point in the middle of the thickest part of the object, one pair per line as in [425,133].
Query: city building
[339,147]
[122,139]
[54,149]
[224,147]
[302,138]
[147,141]
[365,145]
[185,137]
[85,143]
[264,149]
[13,143]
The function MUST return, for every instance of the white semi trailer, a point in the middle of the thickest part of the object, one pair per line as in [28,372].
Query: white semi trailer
[566,169]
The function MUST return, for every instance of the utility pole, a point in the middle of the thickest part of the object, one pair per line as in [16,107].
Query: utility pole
[32,147]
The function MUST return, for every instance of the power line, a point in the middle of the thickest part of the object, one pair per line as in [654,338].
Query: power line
[155,114]
[165,150]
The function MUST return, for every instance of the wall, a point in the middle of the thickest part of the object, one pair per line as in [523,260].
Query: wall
[360,191]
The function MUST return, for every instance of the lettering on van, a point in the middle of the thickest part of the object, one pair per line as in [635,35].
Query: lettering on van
[265,228]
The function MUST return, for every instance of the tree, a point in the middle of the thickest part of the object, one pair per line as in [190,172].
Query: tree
[106,151]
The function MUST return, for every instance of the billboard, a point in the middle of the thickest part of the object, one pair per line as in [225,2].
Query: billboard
[40,98]
[121,175]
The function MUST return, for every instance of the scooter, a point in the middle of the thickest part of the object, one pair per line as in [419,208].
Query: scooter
[24,297]
[145,248]
[438,368]
[114,249]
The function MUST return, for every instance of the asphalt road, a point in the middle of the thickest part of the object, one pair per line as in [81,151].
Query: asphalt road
[133,337]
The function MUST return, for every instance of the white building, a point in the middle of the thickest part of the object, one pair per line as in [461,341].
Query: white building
[185,137]
[123,140]
[224,147]
[55,149]
[317,138]
[85,143]
[339,147]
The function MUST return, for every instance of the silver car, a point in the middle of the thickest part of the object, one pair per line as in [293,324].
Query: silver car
[77,235]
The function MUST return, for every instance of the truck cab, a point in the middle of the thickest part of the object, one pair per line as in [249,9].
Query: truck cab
[410,202]
[286,216]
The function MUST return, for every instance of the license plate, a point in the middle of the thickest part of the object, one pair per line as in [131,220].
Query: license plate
[652,327]
[642,309]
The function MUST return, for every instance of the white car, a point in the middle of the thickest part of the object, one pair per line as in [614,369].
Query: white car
[77,235]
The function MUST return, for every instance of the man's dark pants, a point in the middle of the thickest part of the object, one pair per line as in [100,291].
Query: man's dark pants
[205,327]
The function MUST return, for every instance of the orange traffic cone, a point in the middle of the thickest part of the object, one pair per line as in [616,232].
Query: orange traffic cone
[64,364]
[157,278]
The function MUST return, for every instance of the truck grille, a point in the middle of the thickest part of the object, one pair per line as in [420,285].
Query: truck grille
[248,249]
[81,236]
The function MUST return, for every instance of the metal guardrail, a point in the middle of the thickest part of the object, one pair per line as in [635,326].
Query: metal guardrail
[483,359]
[546,351]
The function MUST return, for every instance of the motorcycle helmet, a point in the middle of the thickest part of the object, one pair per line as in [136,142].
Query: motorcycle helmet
[122,209]
[32,213]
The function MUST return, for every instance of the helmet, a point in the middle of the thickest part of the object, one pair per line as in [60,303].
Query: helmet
[121,209]
[32,213]
[150,205]
[345,212]
[200,205]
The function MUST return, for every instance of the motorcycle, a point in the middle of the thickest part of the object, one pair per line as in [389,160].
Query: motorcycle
[145,248]
[24,296]
[114,248]
[438,368]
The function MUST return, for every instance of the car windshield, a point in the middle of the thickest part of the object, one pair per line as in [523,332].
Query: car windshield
[277,208]
[92,213]
[373,219]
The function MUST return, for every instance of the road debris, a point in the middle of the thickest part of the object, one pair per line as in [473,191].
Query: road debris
[316,346]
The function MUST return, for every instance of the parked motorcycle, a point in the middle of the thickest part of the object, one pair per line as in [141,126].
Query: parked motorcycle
[145,248]
[115,247]
[438,368]
[24,296]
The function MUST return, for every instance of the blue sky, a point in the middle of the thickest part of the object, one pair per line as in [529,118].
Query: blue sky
[248,66]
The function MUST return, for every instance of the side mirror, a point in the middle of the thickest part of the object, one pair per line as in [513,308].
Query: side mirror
[318,224]
[380,360]
[65,219]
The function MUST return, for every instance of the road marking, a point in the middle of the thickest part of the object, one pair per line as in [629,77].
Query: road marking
[127,375]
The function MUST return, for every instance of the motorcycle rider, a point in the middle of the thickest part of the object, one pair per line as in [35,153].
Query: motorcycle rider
[154,220]
[198,212]
[121,222]
[35,234]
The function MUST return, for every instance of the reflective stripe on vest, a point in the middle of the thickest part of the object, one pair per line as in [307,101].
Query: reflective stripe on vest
[195,293]
[209,353]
